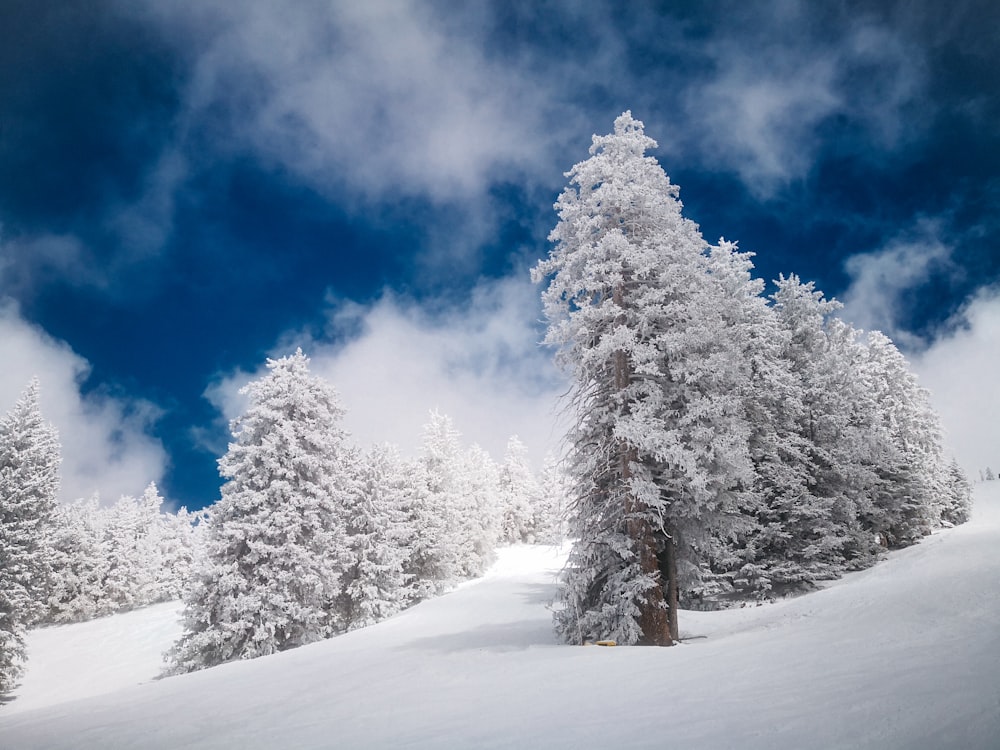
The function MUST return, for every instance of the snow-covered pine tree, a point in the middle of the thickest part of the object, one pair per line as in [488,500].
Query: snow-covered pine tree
[658,446]
[910,465]
[29,482]
[132,552]
[448,522]
[957,502]
[482,519]
[549,520]
[374,584]
[176,537]
[519,494]
[80,564]
[275,542]
[754,555]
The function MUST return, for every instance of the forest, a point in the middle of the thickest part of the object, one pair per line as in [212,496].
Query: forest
[727,446]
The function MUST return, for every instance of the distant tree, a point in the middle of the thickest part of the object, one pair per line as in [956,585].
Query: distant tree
[274,543]
[80,564]
[519,494]
[990,476]
[483,516]
[176,537]
[29,482]
[549,521]
[957,503]
[375,584]
[658,447]
[132,551]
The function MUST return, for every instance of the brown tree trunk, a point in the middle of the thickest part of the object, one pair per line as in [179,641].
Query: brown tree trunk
[672,589]
[653,613]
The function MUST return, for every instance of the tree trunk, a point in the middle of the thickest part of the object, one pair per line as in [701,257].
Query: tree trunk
[672,589]
[653,611]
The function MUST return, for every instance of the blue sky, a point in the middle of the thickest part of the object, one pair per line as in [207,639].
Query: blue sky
[187,188]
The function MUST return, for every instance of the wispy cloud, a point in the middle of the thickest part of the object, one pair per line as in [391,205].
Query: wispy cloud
[777,75]
[382,98]
[883,282]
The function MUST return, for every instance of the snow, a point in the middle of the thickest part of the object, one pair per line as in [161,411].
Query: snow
[903,655]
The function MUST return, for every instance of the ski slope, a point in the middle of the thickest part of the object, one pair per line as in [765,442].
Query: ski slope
[905,655]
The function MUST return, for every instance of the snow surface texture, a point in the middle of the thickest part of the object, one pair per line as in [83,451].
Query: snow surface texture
[904,655]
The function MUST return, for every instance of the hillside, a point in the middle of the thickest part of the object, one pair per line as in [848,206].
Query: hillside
[904,655]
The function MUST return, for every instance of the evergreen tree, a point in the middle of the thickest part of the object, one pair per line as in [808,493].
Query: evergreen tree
[519,494]
[482,517]
[29,482]
[450,516]
[374,584]
[658,448]
[80,564]
[957,501]
[549,521]
[275,541]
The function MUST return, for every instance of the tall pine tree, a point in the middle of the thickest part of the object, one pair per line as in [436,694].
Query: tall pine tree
[659,449]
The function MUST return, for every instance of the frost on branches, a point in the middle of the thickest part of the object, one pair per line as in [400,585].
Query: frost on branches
[375,583]
[275,541]
[29,482]
[119,557]
[657,444]
[723,446]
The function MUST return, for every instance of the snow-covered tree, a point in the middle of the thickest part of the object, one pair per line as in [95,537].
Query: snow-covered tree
[445,519]
[275,542]
[375,584]
[957,502]
[119,557]
[29,482]
[482,518]
[132,551]
[799,410]
[549,520]
[519,494]
[658,448]
[176,537]
[80,563]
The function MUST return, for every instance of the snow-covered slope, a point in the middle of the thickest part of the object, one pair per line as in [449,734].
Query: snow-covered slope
[906,655]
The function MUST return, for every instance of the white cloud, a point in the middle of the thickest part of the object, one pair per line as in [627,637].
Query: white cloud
[960,369]
[777,77]
[882,280]
[106,445]
[383,97]
[394,360]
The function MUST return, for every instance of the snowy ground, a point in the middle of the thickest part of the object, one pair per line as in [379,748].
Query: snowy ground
[906,655]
